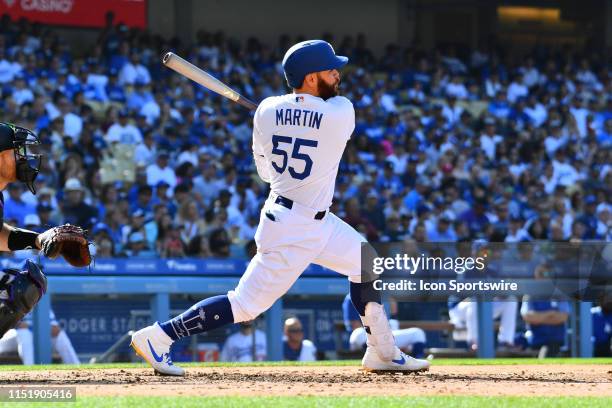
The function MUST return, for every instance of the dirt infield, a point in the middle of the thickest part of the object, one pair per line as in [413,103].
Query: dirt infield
[529,380]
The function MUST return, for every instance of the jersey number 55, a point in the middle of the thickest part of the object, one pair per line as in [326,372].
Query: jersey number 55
[295,154]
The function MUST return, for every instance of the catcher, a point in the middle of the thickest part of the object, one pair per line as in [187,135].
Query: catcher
[20,291]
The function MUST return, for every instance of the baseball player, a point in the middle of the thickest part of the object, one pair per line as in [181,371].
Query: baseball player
[21,339]
[20,291]
[295,346]
[298,141]
[239,346]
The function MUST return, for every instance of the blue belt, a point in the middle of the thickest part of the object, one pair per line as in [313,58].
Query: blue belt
[288,203]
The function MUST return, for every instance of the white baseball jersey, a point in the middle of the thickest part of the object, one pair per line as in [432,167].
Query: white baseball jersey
[298,141]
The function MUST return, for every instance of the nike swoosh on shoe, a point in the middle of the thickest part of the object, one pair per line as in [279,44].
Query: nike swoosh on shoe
[157,358]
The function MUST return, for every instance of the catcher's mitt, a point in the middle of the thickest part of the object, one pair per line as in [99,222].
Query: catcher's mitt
[68,241]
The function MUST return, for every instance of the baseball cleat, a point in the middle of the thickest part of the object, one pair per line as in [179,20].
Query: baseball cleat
[153,345]
[401,363]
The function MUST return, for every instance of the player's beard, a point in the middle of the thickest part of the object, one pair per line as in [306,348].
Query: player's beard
[326,90]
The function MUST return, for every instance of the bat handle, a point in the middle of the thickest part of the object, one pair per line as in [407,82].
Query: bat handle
[247,103]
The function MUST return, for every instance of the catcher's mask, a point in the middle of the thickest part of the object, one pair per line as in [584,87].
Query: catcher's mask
[21,140]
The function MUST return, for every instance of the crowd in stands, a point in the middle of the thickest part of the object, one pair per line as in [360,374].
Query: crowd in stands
[446,147]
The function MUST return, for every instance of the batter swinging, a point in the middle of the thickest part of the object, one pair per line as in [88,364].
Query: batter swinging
[298,141]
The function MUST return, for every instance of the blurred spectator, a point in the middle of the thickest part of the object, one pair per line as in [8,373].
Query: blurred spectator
[73,123]
[137,247]
[546,325]
[443,231]
[602,328]
[207,185]
[169,240]
[43,211]
[114,90]
[239,346]
[146,151]
[104,246]
[14,207]
[191,221]
[21,94]
[136,224]
[219,243]
[160,171]
[144,201]
[74,208]
[32,223]
[295,346]
[198,247]
[123,132]
[354,218]
[133,71]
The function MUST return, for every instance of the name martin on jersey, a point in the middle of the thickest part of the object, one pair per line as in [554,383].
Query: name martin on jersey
[298,117]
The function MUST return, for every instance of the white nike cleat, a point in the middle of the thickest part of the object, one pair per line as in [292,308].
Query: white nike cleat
[401,363]
[153,344]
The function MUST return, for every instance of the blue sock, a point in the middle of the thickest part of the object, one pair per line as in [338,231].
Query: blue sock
[208,314]
[418,350]
[362,294]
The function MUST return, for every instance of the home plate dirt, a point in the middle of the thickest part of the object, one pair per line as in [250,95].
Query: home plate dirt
[528,380]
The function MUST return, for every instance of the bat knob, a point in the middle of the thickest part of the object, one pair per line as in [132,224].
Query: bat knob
[167,57]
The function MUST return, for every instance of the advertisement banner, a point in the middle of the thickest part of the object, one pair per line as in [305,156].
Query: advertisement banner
[77,13]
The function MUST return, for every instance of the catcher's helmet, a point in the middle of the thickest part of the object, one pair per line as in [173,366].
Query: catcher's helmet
[309,56]
[21,140]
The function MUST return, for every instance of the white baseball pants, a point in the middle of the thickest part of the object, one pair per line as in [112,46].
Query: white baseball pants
[465,315]
[288,240]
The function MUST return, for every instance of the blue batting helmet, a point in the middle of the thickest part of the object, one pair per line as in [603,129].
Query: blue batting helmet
[309,56]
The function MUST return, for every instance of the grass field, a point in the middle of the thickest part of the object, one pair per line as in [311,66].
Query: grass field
[335,363]
[332,402]
[85,398]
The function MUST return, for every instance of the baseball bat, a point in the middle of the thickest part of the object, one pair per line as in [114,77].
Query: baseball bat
[187,69]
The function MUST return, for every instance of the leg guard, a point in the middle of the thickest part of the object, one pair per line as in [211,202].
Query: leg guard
[374,319]
[20,291]
[379,331]
[205,315]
